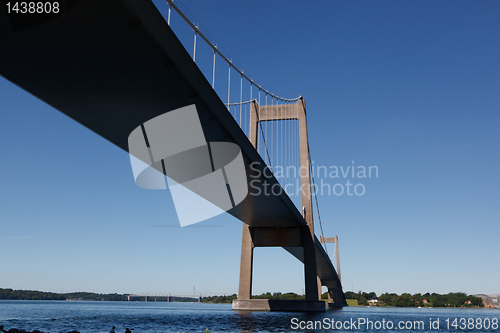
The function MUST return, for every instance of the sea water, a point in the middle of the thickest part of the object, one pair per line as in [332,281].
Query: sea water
[87,316]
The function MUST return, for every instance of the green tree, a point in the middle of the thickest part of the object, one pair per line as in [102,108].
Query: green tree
[362,300]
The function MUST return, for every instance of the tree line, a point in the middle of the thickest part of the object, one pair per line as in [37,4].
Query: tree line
[450,300]
[278,295]
[219,299]
[41,295]
[268,295]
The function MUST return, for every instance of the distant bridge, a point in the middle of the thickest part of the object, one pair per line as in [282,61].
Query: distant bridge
[167,296]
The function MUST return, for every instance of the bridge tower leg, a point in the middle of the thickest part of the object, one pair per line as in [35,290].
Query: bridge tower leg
[273,113]
[247,246]
[311,279]
[246,264]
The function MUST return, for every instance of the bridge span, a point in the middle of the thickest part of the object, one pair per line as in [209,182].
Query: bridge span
[113,65]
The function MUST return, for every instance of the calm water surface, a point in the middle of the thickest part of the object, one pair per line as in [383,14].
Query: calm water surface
[63,316]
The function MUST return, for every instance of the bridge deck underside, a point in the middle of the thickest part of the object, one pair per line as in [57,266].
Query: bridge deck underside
[111,66]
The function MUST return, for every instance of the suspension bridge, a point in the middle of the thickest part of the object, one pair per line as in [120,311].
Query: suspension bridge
[113,65]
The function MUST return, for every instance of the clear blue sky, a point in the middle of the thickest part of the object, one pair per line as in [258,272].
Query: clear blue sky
[410,87]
